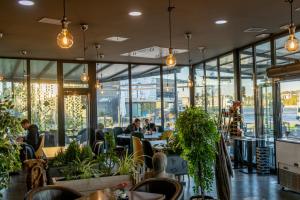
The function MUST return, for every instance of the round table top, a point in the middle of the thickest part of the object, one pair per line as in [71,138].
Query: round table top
[101,195]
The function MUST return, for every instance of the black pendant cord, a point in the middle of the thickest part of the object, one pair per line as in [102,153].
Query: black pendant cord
[84,49]
[292,20]
[64,7]
[170,8]
[189,52]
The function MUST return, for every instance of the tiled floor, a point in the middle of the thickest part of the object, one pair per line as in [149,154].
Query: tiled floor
[244,187]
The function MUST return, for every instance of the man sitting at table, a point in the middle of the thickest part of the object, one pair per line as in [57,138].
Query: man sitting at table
[32,137]
[135,129]
[149,126]
[159,162]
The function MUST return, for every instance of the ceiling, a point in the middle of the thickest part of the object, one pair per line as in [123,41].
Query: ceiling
[110,18]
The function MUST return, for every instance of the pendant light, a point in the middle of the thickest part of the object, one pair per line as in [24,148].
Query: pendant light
[99,85]
[84,76]
[171,59]
[292,44]
[64,38]
[188,36]
[1,77]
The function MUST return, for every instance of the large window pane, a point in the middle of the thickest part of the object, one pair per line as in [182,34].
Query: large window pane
[247,91]
[14,85]
[226,81]
[183,91]
[146,101]
[72,73]
[113,96]
[169,91]
[199,86]
[44,91]
[212,87]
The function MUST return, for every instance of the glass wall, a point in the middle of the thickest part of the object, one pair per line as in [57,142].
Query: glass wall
[183,91]
[212,87]
[44,93]
[73,73]
[113,95]
[247,92]
[14,85]
[146,97]
[169,91]
[199,86]
[226,81]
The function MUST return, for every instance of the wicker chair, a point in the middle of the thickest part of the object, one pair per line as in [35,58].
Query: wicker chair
[52,193]
[172,189]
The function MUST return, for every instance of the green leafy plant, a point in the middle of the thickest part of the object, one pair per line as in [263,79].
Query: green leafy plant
[73,152]
[81,169]
[86,153]
[107,161]
[198,136]
[9,153]
[173,145]
[126,165]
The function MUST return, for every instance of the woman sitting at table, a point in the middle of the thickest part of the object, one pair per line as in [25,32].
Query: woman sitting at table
[159,162]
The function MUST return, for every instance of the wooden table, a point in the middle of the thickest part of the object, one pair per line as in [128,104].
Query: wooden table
[132,195]
[51,152]
[153,136]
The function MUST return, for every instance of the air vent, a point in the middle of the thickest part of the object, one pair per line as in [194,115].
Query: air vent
[285,27]
[153,52]
[263,35]
[116,39]
[46,20]
[255,30]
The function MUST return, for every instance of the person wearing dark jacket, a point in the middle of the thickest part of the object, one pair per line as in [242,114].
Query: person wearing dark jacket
[32,137]
[134,127]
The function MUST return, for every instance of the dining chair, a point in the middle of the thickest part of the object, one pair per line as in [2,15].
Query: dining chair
[39,152]
[148,154]
[172,189]
[138,152]
[98,147]
[52,192]
[166,135]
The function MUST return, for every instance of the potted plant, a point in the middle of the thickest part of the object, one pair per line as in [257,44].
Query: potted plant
[9,153]
[198,136]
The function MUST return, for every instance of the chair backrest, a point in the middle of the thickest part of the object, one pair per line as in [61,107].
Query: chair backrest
[98,147]
[172,189]
[39,151]
[52,192]
[148,152]
[166,135]
[176,165]
[137,150]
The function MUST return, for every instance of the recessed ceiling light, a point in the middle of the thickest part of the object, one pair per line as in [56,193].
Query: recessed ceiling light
[135,13]
[79,58]
[116,39]
[297,9]
[255,30]
[221,21]
[26,2]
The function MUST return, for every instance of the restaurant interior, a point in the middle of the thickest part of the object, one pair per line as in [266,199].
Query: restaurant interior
[145,100]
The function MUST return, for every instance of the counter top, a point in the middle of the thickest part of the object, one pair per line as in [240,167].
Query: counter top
[291,140]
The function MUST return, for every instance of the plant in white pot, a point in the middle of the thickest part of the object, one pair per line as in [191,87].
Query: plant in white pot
[198,136]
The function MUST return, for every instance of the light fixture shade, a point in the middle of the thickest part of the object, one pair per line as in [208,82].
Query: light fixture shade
[98,85]
[292,44]
[65,39]
[190,83]
[1,77]
[171,60]
[84,77]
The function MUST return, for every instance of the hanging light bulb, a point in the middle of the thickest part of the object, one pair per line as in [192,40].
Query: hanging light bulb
[292,44]
[98,85]
[167,88]
[190,83]
[171,59]
[64,38]
[101,89]
[1,77]
[84,76]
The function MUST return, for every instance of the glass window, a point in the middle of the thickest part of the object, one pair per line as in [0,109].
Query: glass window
[146,101]
[44,91]
[14,84]
[199,86]
[212,87]
[72,75]
[183,91]
[264,86]
[226,81]
[169,91]
[290,108]
[283,57]
[247,92]
[113,95]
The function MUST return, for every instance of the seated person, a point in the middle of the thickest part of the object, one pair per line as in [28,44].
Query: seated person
[149,126]
[32,137]
[134,127]
[98,135]
[159,162]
